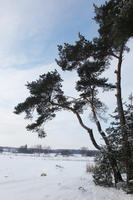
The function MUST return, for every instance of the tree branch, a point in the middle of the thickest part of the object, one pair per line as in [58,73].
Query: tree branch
[99,128]
[81,123]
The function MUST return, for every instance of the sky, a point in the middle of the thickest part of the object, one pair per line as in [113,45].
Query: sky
[30,33]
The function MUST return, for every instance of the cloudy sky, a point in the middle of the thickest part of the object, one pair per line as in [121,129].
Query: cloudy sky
[30,33]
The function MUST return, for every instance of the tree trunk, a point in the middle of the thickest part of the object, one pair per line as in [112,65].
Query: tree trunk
[112,160]
[126,146]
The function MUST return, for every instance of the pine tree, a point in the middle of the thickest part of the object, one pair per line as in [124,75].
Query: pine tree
[90,59]
[103,174]
[116,140]
[113,18]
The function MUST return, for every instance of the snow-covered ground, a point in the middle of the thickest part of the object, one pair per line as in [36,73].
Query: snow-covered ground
[66,179]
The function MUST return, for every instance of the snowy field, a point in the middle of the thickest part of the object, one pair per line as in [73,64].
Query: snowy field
[66,179]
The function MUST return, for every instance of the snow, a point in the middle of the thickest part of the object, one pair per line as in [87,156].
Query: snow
[66,179]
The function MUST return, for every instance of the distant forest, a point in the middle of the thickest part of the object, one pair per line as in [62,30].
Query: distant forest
[66,152]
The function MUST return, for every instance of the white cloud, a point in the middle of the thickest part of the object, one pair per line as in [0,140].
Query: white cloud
[25,26]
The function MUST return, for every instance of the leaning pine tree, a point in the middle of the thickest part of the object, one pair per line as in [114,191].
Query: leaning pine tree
[90,59]
[47,97]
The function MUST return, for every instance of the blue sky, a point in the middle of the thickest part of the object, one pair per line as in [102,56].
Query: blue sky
[32,29]
[30,33]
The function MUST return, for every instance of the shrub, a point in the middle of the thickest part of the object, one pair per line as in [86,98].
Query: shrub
[90,167]
[102,171]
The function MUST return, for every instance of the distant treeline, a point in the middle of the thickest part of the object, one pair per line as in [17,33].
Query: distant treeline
[25,149]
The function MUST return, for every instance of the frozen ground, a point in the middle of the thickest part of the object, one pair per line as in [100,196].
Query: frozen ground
[20,179]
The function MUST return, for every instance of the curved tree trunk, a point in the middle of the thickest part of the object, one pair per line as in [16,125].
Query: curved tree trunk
[113,162]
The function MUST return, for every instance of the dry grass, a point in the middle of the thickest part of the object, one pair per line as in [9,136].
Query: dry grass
[43,174]
[89,168]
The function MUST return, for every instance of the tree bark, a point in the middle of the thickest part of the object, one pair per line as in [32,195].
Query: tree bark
[112,160]
[126,146]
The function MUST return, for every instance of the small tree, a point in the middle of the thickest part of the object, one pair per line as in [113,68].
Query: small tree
[103,172]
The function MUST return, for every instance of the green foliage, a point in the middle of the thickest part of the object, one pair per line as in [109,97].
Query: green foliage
[115,136]
[71,55]
[102,171]
[47,97]
[42,91]
[115,18]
